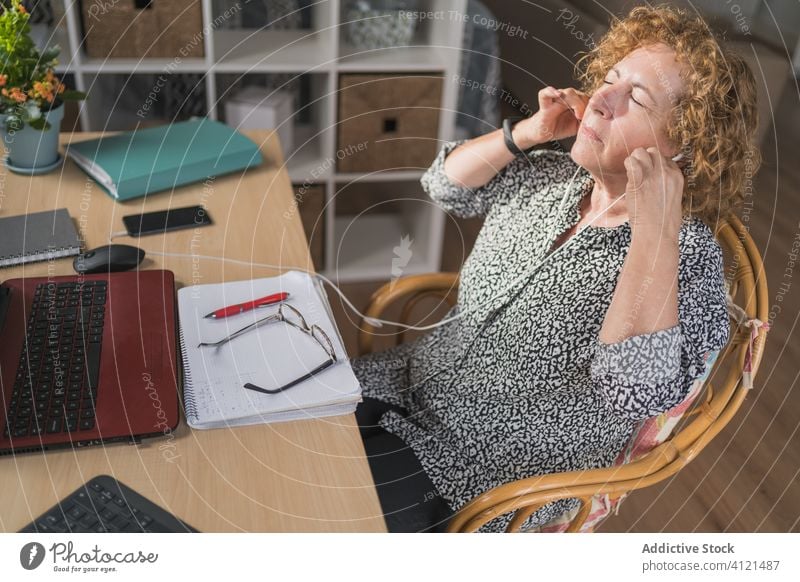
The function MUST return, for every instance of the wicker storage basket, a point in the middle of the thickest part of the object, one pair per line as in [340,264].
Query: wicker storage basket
[143,28]
[388,121]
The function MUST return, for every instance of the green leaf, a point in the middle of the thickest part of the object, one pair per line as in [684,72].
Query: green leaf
[50,53]
[40,124]
[72,95]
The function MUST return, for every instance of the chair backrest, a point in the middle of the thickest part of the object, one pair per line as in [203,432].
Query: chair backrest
[657,451]
[649,434]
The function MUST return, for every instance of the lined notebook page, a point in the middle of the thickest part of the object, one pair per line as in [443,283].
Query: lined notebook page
[268,356]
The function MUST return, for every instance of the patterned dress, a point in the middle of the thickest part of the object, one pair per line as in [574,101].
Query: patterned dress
[531,390]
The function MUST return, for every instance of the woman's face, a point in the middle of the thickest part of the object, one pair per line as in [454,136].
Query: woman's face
[630,110]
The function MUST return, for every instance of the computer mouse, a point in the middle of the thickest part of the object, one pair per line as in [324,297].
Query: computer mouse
[108,259]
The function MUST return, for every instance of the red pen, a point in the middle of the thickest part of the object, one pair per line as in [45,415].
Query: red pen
[248,305]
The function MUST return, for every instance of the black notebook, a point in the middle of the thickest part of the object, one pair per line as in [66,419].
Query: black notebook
[39,236]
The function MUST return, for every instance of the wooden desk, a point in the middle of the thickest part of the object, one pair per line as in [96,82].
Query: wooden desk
[297,476]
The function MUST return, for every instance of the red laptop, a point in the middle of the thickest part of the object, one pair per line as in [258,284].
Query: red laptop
[87,359]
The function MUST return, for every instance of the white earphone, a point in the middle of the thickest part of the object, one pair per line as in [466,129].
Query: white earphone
[378,323]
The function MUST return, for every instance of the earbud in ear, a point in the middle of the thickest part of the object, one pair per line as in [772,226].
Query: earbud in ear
[678,158]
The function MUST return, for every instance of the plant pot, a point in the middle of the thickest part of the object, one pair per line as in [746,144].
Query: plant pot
[30,148]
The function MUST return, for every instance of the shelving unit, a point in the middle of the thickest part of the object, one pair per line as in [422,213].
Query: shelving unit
[358,247]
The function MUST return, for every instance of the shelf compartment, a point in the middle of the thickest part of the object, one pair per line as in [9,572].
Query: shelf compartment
[413,58]
[310,121]
[382,231]
[432,48]
[356,261]
[145,65]
[128,30]
[274,50]
[388,121]
[124,101]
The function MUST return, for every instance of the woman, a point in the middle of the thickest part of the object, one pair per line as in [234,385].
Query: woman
[583,310]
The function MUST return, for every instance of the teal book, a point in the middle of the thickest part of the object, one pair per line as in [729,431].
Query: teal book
[137,163]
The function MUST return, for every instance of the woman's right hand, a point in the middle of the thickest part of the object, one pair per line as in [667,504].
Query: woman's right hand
[473,164]
[559,117]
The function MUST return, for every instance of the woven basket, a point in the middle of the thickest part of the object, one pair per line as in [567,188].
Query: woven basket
[142,28]
[388,121]
[368,28]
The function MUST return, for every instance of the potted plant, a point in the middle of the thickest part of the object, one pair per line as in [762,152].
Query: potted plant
[31,96]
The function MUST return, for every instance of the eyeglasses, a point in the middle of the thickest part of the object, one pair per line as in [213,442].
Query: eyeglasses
[291,316]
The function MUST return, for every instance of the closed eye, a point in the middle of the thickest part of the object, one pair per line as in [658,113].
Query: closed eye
[632,98]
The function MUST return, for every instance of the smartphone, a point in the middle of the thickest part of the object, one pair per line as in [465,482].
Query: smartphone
[166,220]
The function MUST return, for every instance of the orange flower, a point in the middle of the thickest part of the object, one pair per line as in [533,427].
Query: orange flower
[21,9]
[18,95]
[44,90]
[3,80]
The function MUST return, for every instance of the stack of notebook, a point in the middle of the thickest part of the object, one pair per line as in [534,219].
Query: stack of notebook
[268,356]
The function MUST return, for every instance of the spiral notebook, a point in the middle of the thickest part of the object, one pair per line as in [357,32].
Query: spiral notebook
[268,356]
[39,236]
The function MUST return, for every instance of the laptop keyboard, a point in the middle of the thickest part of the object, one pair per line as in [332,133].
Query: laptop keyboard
[106,505]
[55,389]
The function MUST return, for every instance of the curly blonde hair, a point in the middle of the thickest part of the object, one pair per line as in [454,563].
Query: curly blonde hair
[715,119]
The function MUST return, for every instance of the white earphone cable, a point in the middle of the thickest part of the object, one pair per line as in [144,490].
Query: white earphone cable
[376,322]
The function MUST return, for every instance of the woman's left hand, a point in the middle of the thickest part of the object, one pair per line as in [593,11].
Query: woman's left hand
[654,193]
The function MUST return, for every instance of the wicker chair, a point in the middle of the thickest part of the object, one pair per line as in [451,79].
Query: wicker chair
[684,440]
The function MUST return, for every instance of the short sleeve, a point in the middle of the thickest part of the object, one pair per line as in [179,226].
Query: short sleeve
[645,375]
[464,202]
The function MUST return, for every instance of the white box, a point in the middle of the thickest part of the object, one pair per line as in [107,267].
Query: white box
[261,108]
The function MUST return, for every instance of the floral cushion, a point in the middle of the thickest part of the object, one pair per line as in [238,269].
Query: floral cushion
[650,433]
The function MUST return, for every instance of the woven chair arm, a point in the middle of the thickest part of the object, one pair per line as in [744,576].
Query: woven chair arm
[411,288]
[527,495]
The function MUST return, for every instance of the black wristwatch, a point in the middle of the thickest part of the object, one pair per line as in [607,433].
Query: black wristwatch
[508,123]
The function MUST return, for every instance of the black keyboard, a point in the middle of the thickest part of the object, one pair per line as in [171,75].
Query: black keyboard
[106,505]
[55,389]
